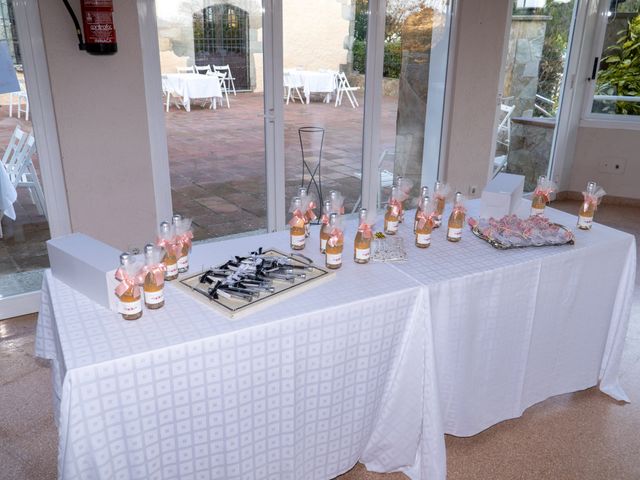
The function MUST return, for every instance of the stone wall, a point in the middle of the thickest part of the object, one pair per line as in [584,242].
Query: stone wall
[522,62]
[531,140]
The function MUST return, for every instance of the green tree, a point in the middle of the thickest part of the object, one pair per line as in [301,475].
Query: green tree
[620,70]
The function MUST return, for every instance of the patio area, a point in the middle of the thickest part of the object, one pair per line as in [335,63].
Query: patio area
[217,168]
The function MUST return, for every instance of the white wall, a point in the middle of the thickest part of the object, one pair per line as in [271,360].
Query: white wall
[597,144]
[103,128]
[478,53]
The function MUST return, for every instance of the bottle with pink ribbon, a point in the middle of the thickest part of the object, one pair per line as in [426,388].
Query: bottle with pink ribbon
[542,195]
[424,192]
[440,193]
[592,198]
[456,219]
[394,210]
[362,242]
[297,231]
[324,222]
[166,240]
[335,244]
[128,291]
[151,277]
[425,218]
[183,240]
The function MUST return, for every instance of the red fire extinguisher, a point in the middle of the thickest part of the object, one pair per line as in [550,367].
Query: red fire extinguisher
[97,23]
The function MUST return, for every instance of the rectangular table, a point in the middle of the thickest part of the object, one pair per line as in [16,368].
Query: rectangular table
[374,365]
[313,82]
[191,86]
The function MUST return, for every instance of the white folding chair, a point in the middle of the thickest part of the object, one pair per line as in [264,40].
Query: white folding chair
[202,69]
[386,178]
[20,97]
[186,69]
[223,87]
[18,162]
[291,87]
[229,78]
[504,127]
[344,87]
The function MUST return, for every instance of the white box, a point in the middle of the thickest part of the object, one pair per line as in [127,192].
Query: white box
[502,195]
[87,265]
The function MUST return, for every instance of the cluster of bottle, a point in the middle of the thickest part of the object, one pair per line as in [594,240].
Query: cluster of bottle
[144,283]
[592,196]
[428,214]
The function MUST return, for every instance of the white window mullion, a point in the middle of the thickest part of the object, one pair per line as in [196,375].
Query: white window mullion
[372,104]
[274,114]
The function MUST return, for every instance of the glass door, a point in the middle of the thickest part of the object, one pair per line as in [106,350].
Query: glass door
[535,69]
[212,66]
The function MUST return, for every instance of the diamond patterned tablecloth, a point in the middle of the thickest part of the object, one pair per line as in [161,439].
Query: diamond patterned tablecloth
[373,365]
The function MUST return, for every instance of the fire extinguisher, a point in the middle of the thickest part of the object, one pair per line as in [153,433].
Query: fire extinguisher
[97,23]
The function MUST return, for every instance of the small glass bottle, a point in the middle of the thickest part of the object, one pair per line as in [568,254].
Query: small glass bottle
[130,303]
[153,285]
[441,200]
[362,243]
[335,244]
[324,229]
[337,202]
[423,232]
[297,225]
[540,198]
[302,193]
[456,220]
[391,217]
[182,253]
[588,207]
[424,192]
[170,258]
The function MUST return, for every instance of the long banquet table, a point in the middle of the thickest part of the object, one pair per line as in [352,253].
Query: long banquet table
[192,86]
[374,365]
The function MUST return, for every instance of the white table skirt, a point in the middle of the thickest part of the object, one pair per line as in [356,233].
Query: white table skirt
[313,81]
[8,195]
[192,85]
[374,365]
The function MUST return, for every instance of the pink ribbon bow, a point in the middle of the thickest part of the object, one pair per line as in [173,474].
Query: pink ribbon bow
[185,238]
[459,209]
[335,237]
[396,207]
[590,200]
[169,246]
[297,220]
[310,214]
[543,192]
[126,282]
[324,219]
[365,229]
[156,270]
[423,218]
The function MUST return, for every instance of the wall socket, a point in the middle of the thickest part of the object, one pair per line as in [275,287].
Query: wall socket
[473,190]
[615,166]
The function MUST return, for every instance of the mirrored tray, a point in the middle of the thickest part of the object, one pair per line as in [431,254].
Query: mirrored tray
[206,286]
[501,246]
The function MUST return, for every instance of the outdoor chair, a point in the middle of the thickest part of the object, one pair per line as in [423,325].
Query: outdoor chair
[229,78]
[223,87]
[291,88]
[167,92]
[504,128]
[386,178]
[18,162]
[202,69]
[20,97]
[344,87]
[186,69]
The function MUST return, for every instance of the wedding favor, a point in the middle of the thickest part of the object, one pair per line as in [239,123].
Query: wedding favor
[183,240]
[151,277]
[513,232]
[297,232]
[166,240]
[592,198]
[404,191]
[424,192]
[337,202]
[456,219]
[440,193]
[335,243]
[324,228]
[362,242]
[541,195]
[425,216]
[394,210]
[128,292]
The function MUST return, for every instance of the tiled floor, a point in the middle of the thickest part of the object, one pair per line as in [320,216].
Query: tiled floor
[217,168]
[579,436]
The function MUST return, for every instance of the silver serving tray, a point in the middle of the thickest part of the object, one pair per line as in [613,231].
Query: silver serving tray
[501,246]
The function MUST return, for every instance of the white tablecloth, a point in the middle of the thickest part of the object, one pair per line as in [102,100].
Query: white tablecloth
[192,85]
[373,365]
[313,81]
[8,194]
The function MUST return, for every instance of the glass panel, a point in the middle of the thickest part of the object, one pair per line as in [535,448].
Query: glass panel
[416,48]
[534,71]
[23,223]
[324,57]
[214,114]
[618,81]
